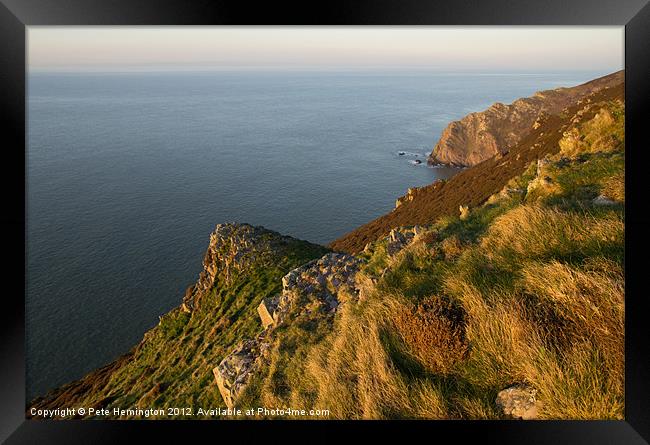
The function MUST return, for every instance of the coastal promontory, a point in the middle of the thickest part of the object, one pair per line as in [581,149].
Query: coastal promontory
[479,136]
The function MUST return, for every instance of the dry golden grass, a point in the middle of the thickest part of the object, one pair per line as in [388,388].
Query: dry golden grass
[352,374]
[532,232]
[576,384]
[614,187]
[599,134]
[582,304]
[583,379]
[497,332]
[536,301]
[451,247]
[559,326]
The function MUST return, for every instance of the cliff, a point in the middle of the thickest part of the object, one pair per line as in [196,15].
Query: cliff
[172,365]
[479,136]
[507,301]
[473,186]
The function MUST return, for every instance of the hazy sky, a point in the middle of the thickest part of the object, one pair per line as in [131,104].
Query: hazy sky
[440,48]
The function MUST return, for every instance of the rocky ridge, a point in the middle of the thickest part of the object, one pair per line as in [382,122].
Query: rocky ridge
[316,289]
[218,308]
[233,247]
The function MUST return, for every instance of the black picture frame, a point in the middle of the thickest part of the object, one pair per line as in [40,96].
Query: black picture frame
[16,15]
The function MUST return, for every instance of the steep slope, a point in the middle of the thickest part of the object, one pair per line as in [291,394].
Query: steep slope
[172,365]
[473,186]
[479,136]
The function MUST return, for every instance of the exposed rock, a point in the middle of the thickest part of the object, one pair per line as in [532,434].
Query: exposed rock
[265,311]
[233,247]
[325,282]
[413,192]
[602,200]
[479,136]
[234,372]
[519,402]
[540,165]
[399,238]
[187,297]
[539,182]
[410,194]
[505,193]
[317,288]
[464,212]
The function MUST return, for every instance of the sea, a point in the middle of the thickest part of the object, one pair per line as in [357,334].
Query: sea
[129,172]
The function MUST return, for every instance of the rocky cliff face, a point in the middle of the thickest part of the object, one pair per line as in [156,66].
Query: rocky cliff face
[479,136]
[173,364]
[232,249]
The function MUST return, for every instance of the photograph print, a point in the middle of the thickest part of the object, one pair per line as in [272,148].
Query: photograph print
[415,222]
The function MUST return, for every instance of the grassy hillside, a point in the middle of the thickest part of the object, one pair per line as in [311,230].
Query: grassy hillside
[525,289]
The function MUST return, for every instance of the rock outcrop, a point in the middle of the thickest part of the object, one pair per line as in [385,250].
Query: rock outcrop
[479,136]
[399,238]
[413,192]
[316,290]
[235,371]
[233,247]
[190,338]
[464,212]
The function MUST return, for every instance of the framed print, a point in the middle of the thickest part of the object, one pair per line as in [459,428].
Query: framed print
[386,218]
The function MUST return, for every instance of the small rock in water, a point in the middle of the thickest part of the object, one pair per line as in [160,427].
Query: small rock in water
[417,161]
[401,153]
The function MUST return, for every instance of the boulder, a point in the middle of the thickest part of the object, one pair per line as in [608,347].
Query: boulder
[410,195]
[321,281]
[396,236]
[265,311]
[234,371]
[317,288]
[519,402]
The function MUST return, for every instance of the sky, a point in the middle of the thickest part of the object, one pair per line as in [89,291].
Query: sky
[440,48]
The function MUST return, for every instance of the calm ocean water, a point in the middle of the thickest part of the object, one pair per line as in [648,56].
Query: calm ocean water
[127,175]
